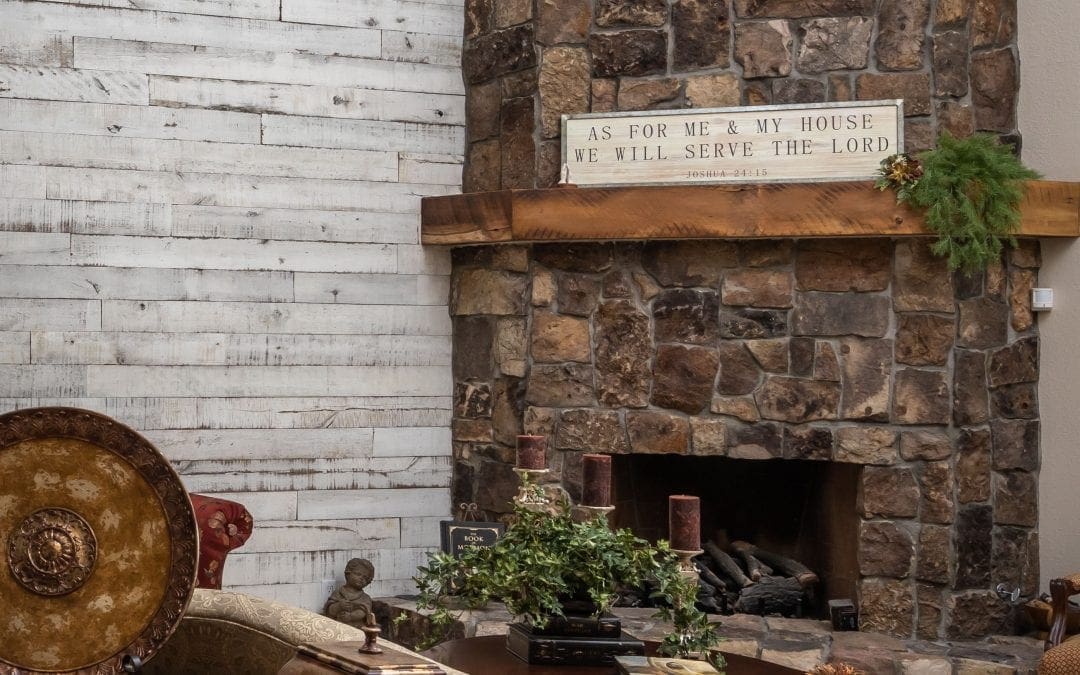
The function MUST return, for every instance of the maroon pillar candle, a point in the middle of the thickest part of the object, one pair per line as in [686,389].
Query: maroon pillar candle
[530,452]
[596,480]
[684,522]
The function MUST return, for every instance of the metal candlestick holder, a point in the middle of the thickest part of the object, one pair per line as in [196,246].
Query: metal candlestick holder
[686,564]
[582,513]
[530,494]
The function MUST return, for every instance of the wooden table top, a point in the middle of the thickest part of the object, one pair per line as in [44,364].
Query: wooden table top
[487,655]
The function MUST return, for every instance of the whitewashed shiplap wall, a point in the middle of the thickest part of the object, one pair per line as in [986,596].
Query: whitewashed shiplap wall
[209,215]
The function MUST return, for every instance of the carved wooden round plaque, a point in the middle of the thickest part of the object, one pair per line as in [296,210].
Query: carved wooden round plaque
[98,543]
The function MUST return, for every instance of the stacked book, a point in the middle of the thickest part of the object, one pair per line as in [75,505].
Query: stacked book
[573,640]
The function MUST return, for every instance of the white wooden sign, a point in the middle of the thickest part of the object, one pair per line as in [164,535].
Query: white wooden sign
[760,144]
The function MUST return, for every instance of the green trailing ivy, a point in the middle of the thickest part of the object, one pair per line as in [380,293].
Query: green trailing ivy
[970,189]
[544,559]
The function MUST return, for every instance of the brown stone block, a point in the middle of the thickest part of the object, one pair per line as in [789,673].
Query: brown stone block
[543,288]
[887,606]
[918,135]
[498,53]
[518,148]
[797,400]
[762,440]
[604,96]
[866,374]
[968,285]
[936,489]
[763,48]
[885,550]
[482,110]
[753,323]
[510,258]
[1016,445]
[757,288]
[766,252]
[927,627]
[478,17]
[623,350]
[708,437]
[924,339]
[950,64]
[889,492]
[509,346]
[970,404]
[798,90]
[484,291]
[611,13]
[562,21]
[574,257]
[973,615]
[629,53]
[564,86]
[835,43]
[839,88]
[802,356]
[689,263]
[646,285]
[757,93]
[914,88]
[473,338]
[866,445]
[771,355]
[922,397]
[1016,499]
[683,315]
[1025,254]
[643,94]
[901,29]
[591,431]
[993,23]
[483,168]
[994,90]
[933,560]
[826,365]
[924,445]
[800,9]
[472,399]
[506,409]
[974,525]
[739,372]
[956,118]
[478,431]
[683,377]
[616,284]
[843,265]
[742,407]
[701,32]
[995,280]
[973,466]
[558,338]
[496,486]
[803,442]
[512,12]
[922,281]
[578,294]
[1021,281]
[1016,558]
[1016,401]
[561,386]
[712,91]
[657,432]
[1019,362]
[983,323]
[840,314]
[539,421]
[951,13]
[549,165]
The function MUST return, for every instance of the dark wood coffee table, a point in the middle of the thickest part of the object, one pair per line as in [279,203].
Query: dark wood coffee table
[488,656]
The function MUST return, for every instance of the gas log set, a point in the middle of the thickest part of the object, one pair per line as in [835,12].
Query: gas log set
[750,580]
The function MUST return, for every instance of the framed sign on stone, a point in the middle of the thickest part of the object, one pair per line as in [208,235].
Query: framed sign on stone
[755,144]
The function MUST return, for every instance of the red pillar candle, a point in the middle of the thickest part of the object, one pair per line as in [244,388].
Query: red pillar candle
[684,522]
[530,452]
[596,480]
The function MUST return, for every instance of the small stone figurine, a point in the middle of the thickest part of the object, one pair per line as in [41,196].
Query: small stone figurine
[350,604]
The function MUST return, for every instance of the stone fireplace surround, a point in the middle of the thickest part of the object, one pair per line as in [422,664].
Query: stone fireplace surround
[858,351]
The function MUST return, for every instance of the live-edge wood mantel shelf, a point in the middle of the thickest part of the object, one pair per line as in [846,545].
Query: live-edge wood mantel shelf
[779,210]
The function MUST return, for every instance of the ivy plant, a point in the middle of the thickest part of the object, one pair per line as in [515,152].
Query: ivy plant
[545,559]
[970,189]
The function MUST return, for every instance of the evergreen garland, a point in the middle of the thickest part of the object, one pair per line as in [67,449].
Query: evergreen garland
[970,189]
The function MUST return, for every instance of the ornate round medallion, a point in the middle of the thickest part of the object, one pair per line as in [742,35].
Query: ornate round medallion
[52,552]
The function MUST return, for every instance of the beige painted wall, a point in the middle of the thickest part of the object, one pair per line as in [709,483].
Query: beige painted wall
[1050,124]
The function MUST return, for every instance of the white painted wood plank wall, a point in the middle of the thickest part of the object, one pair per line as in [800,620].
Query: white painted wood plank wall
[209,215]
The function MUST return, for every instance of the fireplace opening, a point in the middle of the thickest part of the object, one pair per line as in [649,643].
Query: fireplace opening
[804,511]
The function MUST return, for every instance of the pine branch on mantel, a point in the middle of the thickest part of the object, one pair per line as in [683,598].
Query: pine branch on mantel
[778,210]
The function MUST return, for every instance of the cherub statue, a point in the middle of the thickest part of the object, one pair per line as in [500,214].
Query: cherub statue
[349,603]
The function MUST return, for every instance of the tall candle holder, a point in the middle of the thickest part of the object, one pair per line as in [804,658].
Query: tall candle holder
[530,494]
[686,562]
[582,513]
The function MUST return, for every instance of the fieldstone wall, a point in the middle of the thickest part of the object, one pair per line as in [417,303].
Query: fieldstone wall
[860,351]
[526,62]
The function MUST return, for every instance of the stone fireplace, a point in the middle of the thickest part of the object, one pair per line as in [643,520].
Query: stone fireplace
[876,413]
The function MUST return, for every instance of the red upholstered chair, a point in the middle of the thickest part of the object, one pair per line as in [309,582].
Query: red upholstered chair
[223,526]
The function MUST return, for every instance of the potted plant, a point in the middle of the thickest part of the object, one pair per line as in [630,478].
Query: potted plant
[970,189]
[547,558]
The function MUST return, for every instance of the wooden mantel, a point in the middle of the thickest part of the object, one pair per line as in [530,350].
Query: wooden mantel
[852,209]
